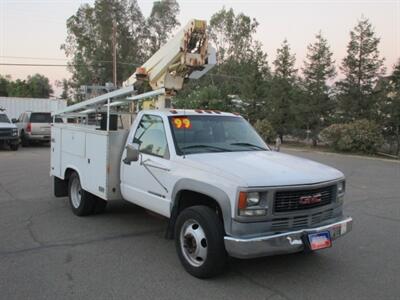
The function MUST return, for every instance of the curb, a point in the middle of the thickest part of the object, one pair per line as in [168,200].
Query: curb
[341,154]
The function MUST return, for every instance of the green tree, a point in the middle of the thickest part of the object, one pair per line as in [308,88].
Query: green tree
[362,68]
[39,86]
[284,90]
[162,21]
[391,107]
[316,106]
[231,34]
[36,86]
[4,85]
[239,81]
[90,31]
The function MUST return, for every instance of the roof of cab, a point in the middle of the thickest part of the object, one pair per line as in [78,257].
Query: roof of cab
[191,112]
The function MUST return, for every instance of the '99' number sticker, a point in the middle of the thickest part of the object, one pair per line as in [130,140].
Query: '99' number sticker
[182,122]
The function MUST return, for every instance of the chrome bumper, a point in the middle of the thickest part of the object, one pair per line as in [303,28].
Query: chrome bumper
[288,242]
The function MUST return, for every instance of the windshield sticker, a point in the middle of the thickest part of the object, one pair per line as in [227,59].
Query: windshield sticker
[182,123]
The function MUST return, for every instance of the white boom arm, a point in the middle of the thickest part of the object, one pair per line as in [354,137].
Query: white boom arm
[187,55]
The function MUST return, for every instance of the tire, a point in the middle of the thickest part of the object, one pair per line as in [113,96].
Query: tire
[199,240]
[14,147]
[82,202]
[24,140]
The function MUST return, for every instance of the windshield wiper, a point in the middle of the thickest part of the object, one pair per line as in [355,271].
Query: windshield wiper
[249,145]
[205,146]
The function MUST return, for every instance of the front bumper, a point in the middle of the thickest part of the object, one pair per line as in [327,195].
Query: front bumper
[287,242]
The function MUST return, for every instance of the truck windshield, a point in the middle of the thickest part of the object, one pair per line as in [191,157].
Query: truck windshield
[205,134]
[4,118]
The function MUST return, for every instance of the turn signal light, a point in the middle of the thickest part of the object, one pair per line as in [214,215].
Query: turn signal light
[29,127]
[242,200]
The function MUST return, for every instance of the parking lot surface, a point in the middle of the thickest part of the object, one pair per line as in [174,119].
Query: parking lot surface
[46,252]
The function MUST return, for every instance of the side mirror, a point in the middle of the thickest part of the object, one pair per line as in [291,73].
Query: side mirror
[14,120]
[132,154]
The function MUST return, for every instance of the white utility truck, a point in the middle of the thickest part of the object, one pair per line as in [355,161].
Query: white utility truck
[221,187]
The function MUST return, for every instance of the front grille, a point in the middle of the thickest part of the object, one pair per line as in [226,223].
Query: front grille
[286,201]
[301,222]
[5,131]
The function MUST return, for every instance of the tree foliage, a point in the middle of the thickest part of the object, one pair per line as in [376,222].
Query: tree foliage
[390,107]
[35,86]
[232,34]
[162,21]
[316,106]
[284,90]
[362,68]
[359,136]
[240,79]
[89,40]
[265,130]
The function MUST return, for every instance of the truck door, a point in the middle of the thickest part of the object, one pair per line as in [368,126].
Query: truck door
[145,182]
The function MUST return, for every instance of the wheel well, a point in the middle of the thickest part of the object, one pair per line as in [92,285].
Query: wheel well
[188,198]
[68,173]
[60,185]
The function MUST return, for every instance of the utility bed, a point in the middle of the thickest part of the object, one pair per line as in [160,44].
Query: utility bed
[95,153]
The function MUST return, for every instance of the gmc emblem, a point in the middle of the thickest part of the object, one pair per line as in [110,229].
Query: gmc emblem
[312,199]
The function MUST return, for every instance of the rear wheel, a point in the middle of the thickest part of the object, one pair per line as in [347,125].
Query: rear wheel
[24,140]
[199,238]
[82,202]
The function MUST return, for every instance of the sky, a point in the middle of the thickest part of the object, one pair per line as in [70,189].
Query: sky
[31,31]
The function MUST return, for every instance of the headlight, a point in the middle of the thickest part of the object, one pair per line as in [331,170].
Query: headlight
[341,188]
[14,131]
[253,199]
[249,204]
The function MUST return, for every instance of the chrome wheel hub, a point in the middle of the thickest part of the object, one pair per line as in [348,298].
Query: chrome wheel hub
[193,243]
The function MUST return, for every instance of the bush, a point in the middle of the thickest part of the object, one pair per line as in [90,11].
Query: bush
[265,130]
[360,136]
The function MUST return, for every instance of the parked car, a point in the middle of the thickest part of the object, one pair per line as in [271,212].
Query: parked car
[8,132]
[35,127]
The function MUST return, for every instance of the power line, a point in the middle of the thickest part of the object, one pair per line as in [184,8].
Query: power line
[32,65]
[31,57]
[64,59]
[61,65]
[93,64]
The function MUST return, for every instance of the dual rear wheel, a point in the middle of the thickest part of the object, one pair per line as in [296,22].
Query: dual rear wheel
[82,202]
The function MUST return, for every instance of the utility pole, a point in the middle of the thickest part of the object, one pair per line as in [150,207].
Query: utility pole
[114,52]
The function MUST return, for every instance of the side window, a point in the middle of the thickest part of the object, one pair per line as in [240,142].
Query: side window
[150,135]
[21,118]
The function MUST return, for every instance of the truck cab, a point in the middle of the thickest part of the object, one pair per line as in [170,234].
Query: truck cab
[224,191]
[8,132]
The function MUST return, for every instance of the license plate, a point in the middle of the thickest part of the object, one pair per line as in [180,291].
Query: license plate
[320,240]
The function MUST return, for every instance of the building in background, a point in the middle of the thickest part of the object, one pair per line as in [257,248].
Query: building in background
[14,106]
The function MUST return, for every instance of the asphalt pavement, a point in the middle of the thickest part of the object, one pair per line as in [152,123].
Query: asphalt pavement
[46,252]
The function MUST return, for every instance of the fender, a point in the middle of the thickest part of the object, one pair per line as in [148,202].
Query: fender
[203,188]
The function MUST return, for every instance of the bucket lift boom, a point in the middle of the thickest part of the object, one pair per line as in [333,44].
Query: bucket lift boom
[188,55]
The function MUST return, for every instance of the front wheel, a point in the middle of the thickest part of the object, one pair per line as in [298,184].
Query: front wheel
[199,238]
